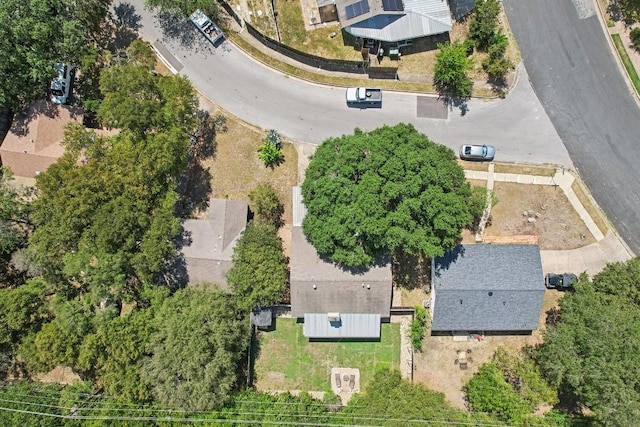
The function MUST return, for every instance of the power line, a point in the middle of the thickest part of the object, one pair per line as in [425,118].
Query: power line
[235,421]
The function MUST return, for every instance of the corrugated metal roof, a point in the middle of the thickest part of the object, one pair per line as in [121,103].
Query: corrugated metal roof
[350,325]
[488,287]
[299,209]
[420,18]
[393,28]
[436,9]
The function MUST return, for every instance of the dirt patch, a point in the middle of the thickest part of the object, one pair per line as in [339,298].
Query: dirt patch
[236,169]
[549,215]
[59,375]
[436,368]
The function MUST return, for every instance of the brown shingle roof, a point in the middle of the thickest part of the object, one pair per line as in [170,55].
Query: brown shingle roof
[34,140]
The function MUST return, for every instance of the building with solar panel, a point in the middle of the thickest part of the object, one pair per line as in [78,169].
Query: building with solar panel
[392,21]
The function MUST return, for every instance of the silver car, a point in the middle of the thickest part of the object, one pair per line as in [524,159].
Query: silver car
[477,152]
[61,84]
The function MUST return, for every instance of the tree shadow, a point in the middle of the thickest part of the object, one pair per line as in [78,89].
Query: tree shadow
[126,23]
[452,103]
[176,27]
[411,272]
[194,185]
[126,16]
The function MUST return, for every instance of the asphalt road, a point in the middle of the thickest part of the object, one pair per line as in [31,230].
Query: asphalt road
[518,126]
[578,81]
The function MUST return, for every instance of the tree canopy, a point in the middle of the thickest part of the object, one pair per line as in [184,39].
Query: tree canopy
[450,72]
[197,350]
[387,191]
[35,35]
[591,353]
[259,273]
[105,213]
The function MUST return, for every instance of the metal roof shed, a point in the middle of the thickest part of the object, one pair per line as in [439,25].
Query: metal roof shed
[341,325]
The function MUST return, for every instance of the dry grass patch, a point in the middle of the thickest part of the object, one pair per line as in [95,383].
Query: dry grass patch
[524,169]
[435,367]
[474,166]
[236,169]
[557,224]
[590,206]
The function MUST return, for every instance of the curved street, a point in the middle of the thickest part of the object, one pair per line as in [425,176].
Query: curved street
[571,67]
[517,126]
[582,89]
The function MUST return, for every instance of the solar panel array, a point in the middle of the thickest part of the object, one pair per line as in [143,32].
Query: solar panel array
[392,5]
[357,9]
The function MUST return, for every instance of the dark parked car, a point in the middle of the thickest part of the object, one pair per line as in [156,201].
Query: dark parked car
[562,282]
[477,152]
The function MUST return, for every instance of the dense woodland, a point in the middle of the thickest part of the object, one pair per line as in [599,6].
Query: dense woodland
[88,278]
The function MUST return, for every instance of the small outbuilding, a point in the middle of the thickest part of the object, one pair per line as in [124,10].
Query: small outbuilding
[497,288]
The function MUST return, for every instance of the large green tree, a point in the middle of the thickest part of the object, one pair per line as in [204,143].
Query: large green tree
[592,353]
[388,191]
[198,348]
[393,401]
[36,34]
[13,221]
[259,273]
[450,72]
[105,213]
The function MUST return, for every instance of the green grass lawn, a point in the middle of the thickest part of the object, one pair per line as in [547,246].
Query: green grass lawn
[626,61]
[288,361]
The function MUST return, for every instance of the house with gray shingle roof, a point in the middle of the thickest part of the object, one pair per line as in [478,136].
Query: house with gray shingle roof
[487,288]
[332,301]
[210,241]
[394,20]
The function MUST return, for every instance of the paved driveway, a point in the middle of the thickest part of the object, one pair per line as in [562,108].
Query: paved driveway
[582,90]
[517,126]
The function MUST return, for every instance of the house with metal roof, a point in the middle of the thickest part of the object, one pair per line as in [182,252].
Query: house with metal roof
[487,288]
[209,243]
[332,301]
[394,20]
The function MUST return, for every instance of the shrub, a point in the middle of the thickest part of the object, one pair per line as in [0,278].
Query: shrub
[635,37]
[450,73]
[484,22]
[270,155]
[497,69]
[271,151]
[488,391]
[418,326]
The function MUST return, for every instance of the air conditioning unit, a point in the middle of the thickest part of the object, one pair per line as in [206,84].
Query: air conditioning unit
[333,317]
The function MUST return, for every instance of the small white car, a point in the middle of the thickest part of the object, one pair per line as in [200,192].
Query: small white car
[61,84]
[477,152]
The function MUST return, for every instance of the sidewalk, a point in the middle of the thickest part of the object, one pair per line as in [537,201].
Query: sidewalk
[591,258]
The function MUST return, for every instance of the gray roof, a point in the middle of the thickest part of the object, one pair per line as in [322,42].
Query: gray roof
[488,287]
[419,18]
[350,325]
[262,317]
[336,289]
[208,253]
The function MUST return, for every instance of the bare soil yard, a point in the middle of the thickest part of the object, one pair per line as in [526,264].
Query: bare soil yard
[435,365]
[557,224]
